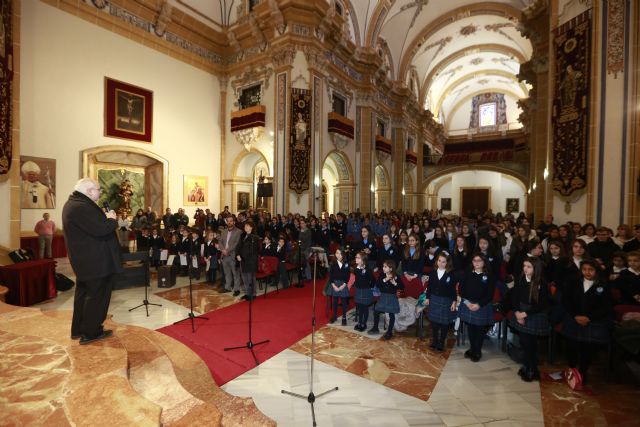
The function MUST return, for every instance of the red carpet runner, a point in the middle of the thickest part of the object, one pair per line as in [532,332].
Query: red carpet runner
[283,317]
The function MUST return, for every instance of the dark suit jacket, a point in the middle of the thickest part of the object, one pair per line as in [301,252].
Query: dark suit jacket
[90,237]
[248,248]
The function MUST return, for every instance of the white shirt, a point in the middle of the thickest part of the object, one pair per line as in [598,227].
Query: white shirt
[576,261]
[440,273]
[587,284]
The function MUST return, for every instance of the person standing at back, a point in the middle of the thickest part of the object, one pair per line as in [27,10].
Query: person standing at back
[94,254]
[45,229]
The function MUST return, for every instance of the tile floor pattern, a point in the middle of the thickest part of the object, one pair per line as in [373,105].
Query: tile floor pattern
[465,394]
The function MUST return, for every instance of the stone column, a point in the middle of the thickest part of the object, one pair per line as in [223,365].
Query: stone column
[224,82]
[398,154]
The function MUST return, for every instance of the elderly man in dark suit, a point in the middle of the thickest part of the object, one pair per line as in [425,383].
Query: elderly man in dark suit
[94,254]
[228,241]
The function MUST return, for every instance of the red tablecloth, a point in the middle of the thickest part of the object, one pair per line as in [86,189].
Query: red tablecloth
[29,282]
[58,248]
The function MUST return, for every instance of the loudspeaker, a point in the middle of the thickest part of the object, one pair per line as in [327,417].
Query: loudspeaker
[265,190]
[166,276]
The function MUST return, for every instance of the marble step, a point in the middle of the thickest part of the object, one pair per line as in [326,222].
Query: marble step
[48,379]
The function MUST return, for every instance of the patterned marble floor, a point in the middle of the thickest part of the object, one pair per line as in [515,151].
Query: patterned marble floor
[393,383]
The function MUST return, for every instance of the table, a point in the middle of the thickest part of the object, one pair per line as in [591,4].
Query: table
[29,282]
[58,247]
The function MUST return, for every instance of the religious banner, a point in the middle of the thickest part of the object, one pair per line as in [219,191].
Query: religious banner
[615,37]
[300,140]
[570,117]
[6,78]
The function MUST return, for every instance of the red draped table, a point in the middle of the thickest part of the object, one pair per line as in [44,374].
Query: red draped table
[29,282]
[58,248]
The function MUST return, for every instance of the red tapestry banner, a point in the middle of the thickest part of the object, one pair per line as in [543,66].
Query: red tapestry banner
[570,117]
[6,79]
[300,140]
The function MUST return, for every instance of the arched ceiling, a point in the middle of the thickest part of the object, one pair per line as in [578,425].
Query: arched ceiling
[455,47]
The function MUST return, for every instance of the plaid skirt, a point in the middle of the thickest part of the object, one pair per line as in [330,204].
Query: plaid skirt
[388,303]
[537,324]
[439,310]
[364,296]
[482,317]
[594,332]
[344,293]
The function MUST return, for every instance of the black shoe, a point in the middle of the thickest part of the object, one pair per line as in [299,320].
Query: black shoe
[439,348]
[476,357]
[468,354]
[105,334]
[522,371]
[433,345]
[357,327]
[530,375]
[373,331]
[76,337]
[245,297]
[236,293]
[387,337]
[344,321]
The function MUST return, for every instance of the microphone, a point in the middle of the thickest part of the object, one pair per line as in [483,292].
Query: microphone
[105,205]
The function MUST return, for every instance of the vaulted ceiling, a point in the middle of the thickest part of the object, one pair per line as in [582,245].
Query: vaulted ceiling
[451,49]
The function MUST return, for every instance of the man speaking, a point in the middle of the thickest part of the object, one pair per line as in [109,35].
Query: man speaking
[94,254]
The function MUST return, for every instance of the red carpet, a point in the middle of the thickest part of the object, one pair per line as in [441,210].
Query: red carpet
[283,317]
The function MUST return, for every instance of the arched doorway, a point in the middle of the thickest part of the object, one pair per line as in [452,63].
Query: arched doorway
[337,177]
[147,172]
[382,189]
[458,186]
[242,188]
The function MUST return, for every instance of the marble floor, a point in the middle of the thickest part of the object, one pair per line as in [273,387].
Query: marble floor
[393,383]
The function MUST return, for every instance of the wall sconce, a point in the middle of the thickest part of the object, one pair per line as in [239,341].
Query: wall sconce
[403,193]
[373,189]
[545,174]
[534,185]
[316,181]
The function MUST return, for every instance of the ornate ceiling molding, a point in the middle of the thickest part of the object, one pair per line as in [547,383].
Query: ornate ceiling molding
[471,50]
[477,8]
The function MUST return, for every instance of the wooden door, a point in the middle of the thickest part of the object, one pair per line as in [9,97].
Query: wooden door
[474,201]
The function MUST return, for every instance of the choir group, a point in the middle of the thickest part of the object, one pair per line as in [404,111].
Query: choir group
[573,279]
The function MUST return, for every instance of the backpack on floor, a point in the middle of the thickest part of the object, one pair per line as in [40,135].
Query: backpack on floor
[574,378]
[63,283]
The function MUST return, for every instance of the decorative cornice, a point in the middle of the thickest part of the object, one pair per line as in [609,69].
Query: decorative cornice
[283,56]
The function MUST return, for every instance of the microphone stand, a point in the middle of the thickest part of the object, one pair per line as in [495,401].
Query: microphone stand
[145,301]
[301,271]
[311,397]
[191,316]
[250,344]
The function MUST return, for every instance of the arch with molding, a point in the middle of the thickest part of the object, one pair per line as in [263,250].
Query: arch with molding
[156,169]
[382,184]
[425,183]
[337,175]
[243,156]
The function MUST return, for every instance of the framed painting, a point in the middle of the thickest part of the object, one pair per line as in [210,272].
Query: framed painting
[445,204]
[38,183]
[128,111]
[243,200]
[195,191]
[513,205]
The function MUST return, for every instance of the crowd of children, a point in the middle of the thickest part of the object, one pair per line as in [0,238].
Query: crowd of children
[568,276]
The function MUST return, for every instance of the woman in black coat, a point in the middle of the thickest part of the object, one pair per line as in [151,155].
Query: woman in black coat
[339,274]
[247,253]
[441,300]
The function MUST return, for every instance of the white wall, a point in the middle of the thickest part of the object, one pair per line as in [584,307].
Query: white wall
[460,118]
[64,62]
[502,187]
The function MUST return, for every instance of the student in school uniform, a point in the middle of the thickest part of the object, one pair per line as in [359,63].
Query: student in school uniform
[412,264]
[386,251]
[281,253]
[431,253]
[156,242]
[184,246]
[247,254]
[367,245]
[628,280]
[571,270]
[364,290]
[529,300]
[210,253]
[268,248]
[589,313]
[441,300]
[389,284]
[476,310]
[193,251]
[461,257]
[339,274]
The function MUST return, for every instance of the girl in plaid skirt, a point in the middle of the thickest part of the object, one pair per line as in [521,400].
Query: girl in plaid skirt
[389,284]
[364,290]
[589,314]
[476,309]
[338,278]
[530,301]
[441,300]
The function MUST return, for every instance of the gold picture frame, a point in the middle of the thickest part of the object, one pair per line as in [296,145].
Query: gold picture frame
[195,190]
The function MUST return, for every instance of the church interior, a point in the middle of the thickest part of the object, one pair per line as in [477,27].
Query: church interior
[380,110]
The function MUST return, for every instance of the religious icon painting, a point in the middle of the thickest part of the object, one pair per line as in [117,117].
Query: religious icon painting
[513,205]
[242,200]
[38,184]
[195,191]
[128,111]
